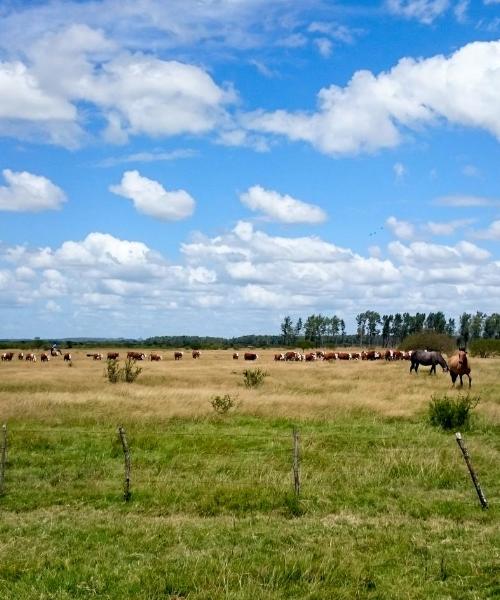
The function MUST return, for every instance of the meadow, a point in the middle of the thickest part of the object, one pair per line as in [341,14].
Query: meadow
[386,507]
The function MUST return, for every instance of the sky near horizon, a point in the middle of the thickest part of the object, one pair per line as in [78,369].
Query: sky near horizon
[207,167]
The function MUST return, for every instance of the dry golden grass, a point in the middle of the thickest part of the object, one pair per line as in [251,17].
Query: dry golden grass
[54,391]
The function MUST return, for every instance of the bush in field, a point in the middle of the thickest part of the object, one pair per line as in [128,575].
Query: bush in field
[129,372]
[484,348]
[222,404]
[254,377]
[452,413]
[429,340]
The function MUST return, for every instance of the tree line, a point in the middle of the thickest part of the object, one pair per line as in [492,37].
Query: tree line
[387,330]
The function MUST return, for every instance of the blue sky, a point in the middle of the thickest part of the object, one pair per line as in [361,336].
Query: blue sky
[208,167]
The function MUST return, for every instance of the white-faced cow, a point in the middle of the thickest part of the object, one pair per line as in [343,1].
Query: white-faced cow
[44,357]
[196,354]
[20,356]
[178,355]
[67,357]
[235,356]
[8,356]
[30,357]
[154,357]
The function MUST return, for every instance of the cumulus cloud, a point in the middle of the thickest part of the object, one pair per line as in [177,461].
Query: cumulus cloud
[401,229]
[133,92]
[223,282]
[425,11]
[26,192]
[374,111]
[152,199]
[284,209]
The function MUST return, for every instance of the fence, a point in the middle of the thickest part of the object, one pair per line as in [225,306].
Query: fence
[216,471]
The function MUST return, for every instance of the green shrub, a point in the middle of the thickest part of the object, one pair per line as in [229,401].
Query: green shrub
[113,371]
[254,377]
[452,413]
[484,348]
[429,340]
[129,372]
[222,404]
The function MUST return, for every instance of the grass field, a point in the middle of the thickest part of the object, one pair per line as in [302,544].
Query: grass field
[386,509]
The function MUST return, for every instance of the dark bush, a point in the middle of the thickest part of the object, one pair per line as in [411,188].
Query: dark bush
[429,340]
[222,404]
[484,348]
[452,413]
[254,377]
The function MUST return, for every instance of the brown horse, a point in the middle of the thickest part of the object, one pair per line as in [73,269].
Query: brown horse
[459,366]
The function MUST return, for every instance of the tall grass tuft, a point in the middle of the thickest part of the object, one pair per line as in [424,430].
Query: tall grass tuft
[222,404]
[452,413]
[129,372]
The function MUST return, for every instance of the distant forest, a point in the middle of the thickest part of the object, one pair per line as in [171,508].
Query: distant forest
[372,329]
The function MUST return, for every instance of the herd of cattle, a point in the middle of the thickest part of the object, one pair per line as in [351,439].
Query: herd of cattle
[282,356]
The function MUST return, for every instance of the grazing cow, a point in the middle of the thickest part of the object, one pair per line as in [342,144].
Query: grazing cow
[178,355]
[136,355]
[30,357]
[291,355]
[356,356]
[8,356]
[459,366]
[279,357]
[67,357]
[20,356]
[250,356]
[423,357]
[111,355]
[44,357]
[344,356]
[320,355]
[311,356]
[196,354]
[97,356]
[331,356]
[235,356]
[154,357]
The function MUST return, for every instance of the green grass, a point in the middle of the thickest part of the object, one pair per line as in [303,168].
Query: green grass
[387,510]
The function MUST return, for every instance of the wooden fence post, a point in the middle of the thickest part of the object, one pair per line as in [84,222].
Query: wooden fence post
[126,453]
[3,457]
[473,475]
[296,462]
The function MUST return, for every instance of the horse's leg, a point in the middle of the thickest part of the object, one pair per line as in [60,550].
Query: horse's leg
[461,381]
[453,379]
[470,380]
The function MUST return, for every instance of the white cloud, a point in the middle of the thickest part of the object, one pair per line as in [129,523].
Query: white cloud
[400,171]
[464,201]
[471,171]
[284,209]
[152,199]
[26,192]
[447,227]
[324,46]
[491,233]
[401,229]
[425,11]
[147,157]
[374,111]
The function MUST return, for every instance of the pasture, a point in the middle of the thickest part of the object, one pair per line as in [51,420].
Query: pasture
[386,507]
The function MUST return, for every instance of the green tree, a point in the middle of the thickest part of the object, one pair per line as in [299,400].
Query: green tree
[396,329]
[491,327]
[450,327]
[373,321]
[287,330]
[386,329]
[361,320]
[476,325]
[464,328]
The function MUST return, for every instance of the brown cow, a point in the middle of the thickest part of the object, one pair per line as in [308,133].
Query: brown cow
[8,356]
[31,357]
[67,357]
[96,356]
[136,355]
[279,356]
[196,354]
[291,355]
[235,356]
[178,355]
[311,356]
[44,357]
[250,356]
[331,356]
[154,357]
[111,355]
[20,356]
[344,356]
